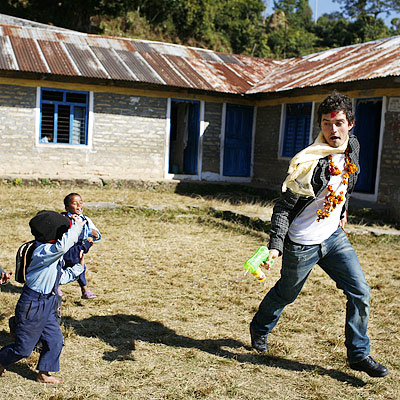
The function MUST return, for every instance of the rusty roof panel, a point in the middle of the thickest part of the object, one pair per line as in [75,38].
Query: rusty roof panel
[56,58]
[139,67]
[143,47]
[7,60]
[228,58]
[107,42]
[169,75]
[189,73]
[236,82]
[112,63]
[27,54]
[170,49]
[208,55]
[211,75]
[85,61]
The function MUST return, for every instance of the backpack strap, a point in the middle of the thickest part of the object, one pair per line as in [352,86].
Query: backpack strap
[23,259]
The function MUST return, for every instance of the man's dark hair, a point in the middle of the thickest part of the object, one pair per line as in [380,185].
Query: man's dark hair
[67,198]
[336,102]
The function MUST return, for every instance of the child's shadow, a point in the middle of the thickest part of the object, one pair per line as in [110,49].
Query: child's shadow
[10,288]
[121,331]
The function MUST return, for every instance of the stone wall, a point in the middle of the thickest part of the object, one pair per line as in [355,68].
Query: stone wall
[17,127]
[129,136]
[268,169]
[128,139]
[389,179]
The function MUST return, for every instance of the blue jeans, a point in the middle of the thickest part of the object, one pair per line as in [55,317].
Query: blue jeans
[338,259]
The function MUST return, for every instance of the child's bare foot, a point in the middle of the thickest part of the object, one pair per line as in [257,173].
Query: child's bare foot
[2,370]
[45,377]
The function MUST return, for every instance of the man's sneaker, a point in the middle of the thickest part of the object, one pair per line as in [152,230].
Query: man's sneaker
[258,342]
[371,367]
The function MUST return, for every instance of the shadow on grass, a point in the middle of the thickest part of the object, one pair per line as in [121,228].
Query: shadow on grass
[10,288]
[17,368]
[121,331]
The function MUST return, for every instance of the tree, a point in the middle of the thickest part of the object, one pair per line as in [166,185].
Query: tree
[360,8]
[290,29]
[367,26]
[242,24]
[333,31]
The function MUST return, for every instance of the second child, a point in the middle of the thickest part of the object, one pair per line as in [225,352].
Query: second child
[74,206]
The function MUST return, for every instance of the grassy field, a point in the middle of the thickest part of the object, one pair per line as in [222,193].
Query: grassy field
[173,307]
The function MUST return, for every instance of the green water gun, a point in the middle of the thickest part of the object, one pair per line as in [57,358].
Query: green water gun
[253,263]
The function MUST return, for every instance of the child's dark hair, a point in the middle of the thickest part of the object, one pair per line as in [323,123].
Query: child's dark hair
[67,198]
[336,102]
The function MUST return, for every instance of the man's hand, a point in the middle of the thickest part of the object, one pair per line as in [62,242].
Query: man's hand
[5,278]
[273,254]
[343,221]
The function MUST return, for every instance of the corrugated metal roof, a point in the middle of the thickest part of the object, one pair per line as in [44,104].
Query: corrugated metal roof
[68,53]
[377,59]
[33,49]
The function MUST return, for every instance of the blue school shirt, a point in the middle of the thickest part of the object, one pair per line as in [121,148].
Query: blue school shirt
[87,228]
[41,274]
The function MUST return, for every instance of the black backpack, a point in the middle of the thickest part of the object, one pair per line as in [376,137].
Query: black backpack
[23,259]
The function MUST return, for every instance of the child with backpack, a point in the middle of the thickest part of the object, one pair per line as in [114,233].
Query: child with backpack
[74,206]
[35,313]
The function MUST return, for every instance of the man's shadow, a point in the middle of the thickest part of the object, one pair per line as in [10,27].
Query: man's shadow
[121,331]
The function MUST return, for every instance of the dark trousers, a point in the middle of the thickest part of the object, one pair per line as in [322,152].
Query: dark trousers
[82,278]
[35,319]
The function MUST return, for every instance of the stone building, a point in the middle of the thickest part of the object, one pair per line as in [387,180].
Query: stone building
[79,106]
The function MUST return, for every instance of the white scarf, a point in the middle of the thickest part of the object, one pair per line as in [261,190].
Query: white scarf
[302,166]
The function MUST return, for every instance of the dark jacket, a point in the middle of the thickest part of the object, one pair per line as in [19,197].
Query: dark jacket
[290,204]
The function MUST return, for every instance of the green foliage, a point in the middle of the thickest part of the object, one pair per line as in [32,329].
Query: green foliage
[17,181]
[290,29]
[360,8]
[242,24]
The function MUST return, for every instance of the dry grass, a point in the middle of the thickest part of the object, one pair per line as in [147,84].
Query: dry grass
[173,308]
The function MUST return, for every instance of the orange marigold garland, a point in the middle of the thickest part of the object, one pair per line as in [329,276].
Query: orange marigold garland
[332,199]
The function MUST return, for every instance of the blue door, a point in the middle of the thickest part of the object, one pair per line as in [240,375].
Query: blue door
[238,134]
[367,129]
[184,137]
[190,154]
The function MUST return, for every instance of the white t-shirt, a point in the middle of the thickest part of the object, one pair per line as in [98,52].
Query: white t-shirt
[305,229]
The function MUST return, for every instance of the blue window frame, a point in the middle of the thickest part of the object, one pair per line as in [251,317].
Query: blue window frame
[296,133]
[63,117]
